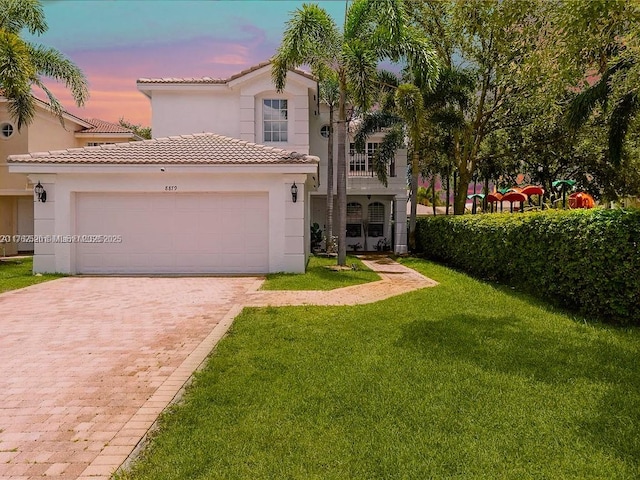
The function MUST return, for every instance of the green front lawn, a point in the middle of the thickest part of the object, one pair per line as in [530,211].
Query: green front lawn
[320,276]
[462,380]
[18,273]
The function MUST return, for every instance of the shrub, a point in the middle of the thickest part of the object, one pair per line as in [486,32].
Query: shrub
[588,260]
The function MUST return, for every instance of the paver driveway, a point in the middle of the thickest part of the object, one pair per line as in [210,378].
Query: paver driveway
[87,364]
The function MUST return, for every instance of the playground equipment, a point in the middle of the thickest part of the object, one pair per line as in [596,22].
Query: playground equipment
[581,200]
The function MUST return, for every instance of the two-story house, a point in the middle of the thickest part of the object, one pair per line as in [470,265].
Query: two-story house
[246,106]
[231,184]
[46,132]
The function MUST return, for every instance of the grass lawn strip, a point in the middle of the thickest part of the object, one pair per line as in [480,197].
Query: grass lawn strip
[18,273]
[462,380]
[321,276]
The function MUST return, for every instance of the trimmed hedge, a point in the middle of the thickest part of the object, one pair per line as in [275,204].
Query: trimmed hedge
[588,260]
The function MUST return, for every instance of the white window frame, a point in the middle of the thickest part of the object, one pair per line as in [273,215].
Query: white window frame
[278,131]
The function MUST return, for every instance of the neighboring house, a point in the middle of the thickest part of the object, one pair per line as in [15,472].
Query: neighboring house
[246,106]
[219,202]
[45,133]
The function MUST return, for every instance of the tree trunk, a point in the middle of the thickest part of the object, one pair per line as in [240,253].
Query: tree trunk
[433,192]
[460,200]
[448,191]
[329,220]
[415,171]
[341,186]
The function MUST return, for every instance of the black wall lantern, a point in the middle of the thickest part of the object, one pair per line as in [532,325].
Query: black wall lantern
[40,192]
[294,192]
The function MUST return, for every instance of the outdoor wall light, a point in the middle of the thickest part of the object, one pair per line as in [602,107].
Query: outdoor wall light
[40,192]
[294,192]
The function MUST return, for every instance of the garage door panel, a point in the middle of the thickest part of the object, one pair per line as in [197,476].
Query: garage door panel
[174,233]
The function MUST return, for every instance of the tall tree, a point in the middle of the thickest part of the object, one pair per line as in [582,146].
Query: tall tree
[490,39]
[329,92]
[24,64]
[373,30]
[602,49]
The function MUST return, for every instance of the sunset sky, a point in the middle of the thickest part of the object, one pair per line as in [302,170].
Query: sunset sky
[115,42]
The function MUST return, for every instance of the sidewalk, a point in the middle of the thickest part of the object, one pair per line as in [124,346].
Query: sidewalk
[396,279]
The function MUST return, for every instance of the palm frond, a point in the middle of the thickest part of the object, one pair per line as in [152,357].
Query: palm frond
[361,68]
[358,20]
[385,154]
[415,49]
[621,117]
[16,15]
[52,63]
[371,123]
[329,88]
[16,74]
[22,107]
[410,107]
[311,37]
[585,102]
[54,105]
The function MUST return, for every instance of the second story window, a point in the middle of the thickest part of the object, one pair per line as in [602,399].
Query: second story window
[274,120]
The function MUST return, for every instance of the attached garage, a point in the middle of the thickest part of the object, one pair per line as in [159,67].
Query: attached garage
[192,204]
[173,233]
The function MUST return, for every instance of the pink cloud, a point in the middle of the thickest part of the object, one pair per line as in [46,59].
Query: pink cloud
[112,72]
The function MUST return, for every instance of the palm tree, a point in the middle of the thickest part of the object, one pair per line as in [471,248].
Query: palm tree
[373,30]
[625,109]
[426,111]
[24,64]
[330,94]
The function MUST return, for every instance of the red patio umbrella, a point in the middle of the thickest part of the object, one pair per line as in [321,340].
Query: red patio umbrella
[534,190]
[493,198]
[515,197]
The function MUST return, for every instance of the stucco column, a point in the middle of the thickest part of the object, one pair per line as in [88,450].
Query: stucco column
[400,218]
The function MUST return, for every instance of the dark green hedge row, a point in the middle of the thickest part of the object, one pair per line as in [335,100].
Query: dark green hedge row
[588,260]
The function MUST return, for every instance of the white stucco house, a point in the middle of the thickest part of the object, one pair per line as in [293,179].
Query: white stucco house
[231,184]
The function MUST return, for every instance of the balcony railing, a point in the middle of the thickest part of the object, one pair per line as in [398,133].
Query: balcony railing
[361,165]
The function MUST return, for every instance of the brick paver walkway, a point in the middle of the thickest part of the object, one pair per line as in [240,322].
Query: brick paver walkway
[88,363]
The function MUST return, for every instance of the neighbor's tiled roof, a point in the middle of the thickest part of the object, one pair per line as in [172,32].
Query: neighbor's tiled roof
[101,126]
[210,80]
[198,149]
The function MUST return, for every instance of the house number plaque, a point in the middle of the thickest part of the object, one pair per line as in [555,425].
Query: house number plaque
[170,188]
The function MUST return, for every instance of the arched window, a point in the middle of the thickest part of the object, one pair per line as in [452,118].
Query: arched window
[354,219]
[376,219]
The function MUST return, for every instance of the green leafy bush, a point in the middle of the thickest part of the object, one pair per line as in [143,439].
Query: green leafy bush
[588,260]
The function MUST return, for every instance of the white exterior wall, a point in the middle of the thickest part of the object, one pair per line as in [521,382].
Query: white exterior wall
[176,112]
[287,235]
[232,109]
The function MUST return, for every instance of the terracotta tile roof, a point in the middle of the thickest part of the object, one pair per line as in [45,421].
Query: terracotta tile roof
[210,80]
[101,126]
[196,149]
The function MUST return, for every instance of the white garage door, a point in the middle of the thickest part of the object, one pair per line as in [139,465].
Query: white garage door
[178,233]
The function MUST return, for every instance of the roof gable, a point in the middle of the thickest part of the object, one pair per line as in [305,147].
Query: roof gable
[196,149]
[244,75]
